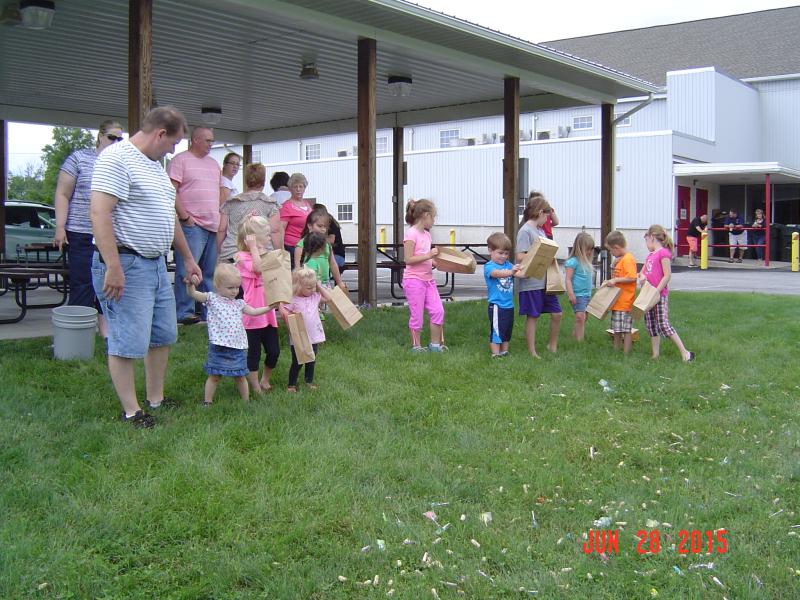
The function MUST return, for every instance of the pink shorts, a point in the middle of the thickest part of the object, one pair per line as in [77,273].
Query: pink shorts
[692,241]
[422,296]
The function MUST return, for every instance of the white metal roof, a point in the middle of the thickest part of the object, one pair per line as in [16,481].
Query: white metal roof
[738,173]
[245,55]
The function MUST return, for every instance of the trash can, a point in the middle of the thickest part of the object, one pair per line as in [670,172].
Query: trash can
[775,242]
[73,332]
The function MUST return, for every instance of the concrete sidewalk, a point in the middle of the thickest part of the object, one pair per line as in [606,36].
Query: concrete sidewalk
[728,278]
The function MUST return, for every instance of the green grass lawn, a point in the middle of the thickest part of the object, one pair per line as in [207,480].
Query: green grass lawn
[277,499]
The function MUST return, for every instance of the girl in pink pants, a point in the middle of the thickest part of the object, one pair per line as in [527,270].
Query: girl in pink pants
[418,283]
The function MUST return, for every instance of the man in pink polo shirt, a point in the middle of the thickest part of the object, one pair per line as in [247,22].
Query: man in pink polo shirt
[196,177]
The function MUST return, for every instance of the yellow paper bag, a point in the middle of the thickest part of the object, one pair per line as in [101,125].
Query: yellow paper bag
[538,258]
[299,338]
[454,261]
[602,301]
[345,312]
[648,297]
[555,282]
[277,276]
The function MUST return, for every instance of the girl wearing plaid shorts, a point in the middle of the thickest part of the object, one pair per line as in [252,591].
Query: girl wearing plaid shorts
[657,271]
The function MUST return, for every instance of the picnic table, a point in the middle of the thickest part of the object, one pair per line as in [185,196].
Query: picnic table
[388,259]
[24,276]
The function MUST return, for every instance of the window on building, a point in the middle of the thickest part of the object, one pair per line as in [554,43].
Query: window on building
[626,122]
[579,123]
[445,135]
[313,151]
[256,156]
[382,145]
[344,212]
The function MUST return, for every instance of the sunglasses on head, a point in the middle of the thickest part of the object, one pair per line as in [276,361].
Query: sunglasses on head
[114,138]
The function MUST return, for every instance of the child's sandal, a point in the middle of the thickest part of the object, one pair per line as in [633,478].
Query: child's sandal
[292,389]
[311,386]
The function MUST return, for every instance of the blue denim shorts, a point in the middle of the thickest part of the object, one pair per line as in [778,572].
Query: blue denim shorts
[145,315]
[581,302]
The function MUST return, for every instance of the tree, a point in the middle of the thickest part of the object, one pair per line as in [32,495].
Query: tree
[66,140]
[28,185]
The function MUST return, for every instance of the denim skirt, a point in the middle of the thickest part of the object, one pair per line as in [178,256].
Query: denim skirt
[228,362]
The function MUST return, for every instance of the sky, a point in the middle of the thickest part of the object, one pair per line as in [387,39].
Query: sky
[525,19]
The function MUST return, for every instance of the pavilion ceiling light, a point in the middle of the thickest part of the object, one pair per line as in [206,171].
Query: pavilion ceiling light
[211,114]
[37,14]
[309,71]
[399,85]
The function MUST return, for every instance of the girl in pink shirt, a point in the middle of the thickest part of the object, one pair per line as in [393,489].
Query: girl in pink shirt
[418,283]
[308,292]
[657,271]
[262,331]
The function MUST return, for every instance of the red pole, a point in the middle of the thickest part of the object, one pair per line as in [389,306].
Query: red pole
[768,218]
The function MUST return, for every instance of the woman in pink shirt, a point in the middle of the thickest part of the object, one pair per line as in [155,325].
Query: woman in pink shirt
[657,271]
[294,213]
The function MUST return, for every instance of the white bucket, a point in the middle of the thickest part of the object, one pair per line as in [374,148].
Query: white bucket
[73,332]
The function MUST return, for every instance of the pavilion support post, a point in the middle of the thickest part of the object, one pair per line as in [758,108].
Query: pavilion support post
[366,118]
[606,175]
[510,157]
[767,216]
[140,62]
[3,184]
[247,154]
[398,189]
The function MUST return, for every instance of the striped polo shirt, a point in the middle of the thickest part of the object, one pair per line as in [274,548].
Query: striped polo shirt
[144,217]
[80,165]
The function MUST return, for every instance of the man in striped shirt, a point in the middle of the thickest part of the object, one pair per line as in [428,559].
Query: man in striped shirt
[133,221]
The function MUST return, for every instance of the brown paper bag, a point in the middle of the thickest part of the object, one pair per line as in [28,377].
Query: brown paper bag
[648,297]
[634,334]
[343,309]
[302,345]
[450,260]
[538,258]
[277,276]
[555,282]
[602,301]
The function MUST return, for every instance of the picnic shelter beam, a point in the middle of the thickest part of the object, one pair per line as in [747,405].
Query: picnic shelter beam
[367,255]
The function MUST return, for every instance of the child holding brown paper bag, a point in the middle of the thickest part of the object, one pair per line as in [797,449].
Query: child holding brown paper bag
[499,274]
[533,301]
[418,283]
[579,272]
[657,271]
[308,293]
[262,331]
[624,277]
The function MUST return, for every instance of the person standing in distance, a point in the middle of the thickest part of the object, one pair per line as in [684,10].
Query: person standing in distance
[196,177]
[133,221]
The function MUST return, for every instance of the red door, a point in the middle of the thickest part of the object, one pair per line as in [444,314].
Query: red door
[684,195]
[700,202]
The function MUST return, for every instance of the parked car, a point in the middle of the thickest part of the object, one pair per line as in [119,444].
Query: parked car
[29,223]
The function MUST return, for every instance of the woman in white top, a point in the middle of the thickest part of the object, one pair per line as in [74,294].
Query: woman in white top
[230,167]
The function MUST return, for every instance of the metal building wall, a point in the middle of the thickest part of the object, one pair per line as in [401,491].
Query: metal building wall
[691,102]
[427,136]
[643,191]
[780,125]
[738,127]
[552,120]
[652,117]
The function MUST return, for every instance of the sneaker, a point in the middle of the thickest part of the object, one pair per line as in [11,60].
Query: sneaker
[738,260]
[419,349]
[140,420]
[730,260]
[504,353]
[437,348]
[189,320]
[167,402]
[496,355]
